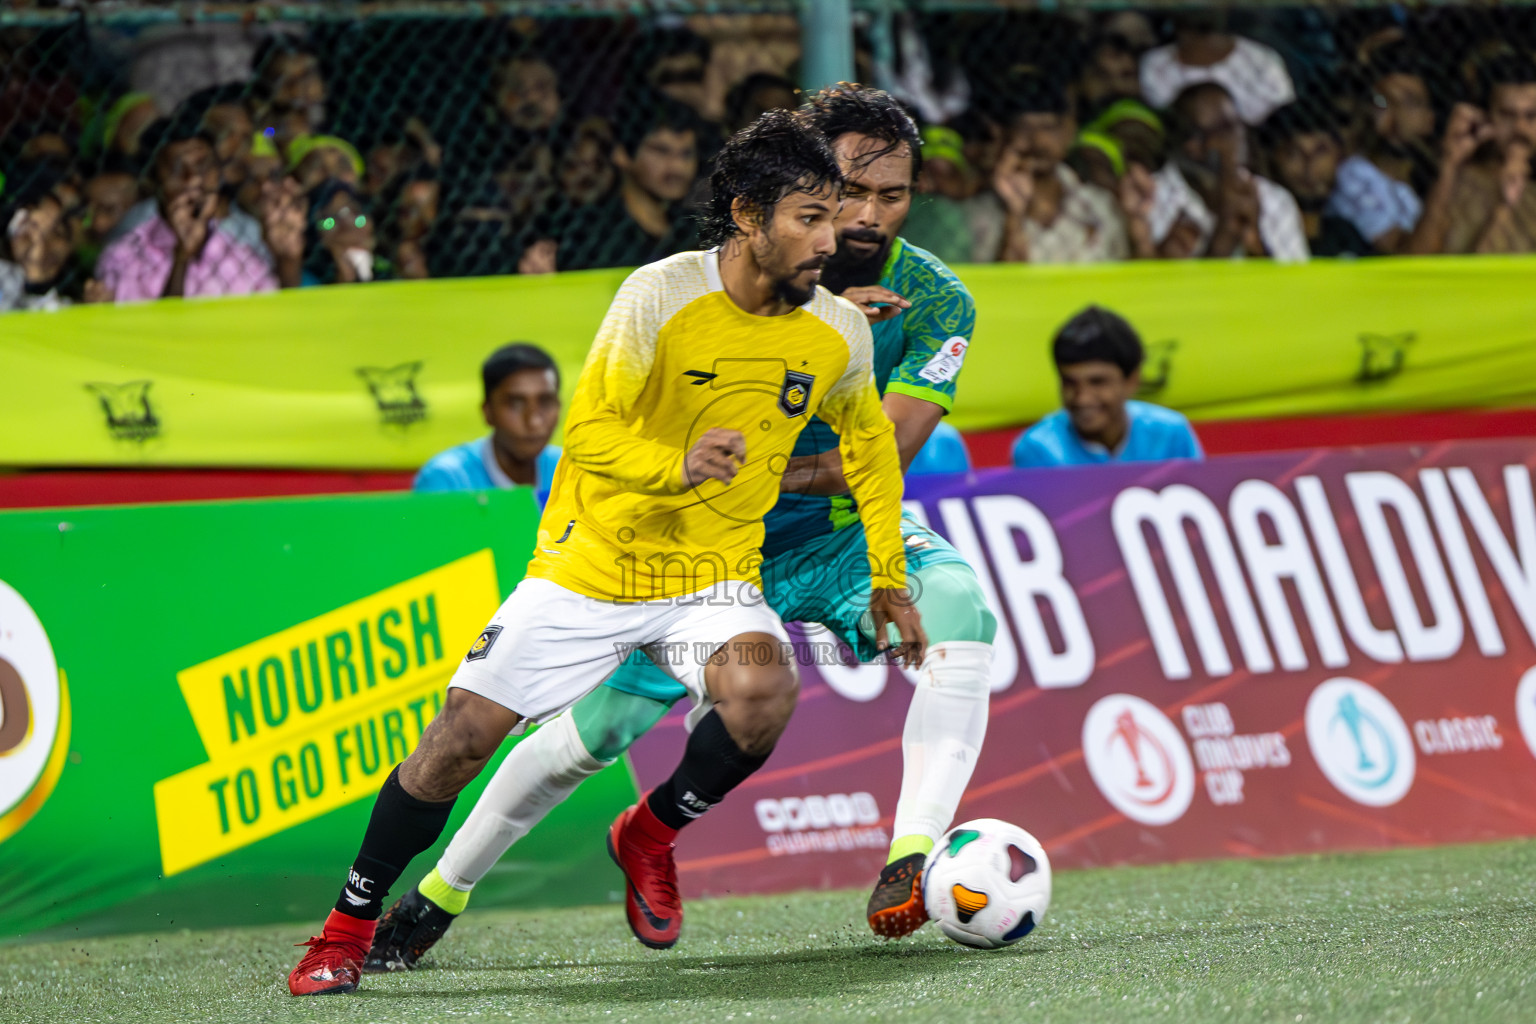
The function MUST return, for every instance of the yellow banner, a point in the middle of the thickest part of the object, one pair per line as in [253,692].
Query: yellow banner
[309,719]
[386,375]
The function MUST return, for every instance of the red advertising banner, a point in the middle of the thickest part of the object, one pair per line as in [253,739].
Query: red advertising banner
[1307,651]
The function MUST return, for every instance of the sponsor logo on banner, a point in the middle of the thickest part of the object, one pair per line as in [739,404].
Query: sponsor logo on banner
[1138,759]
[311,718]
[394,391]
[1360,742]
[34,714]
[1525,708]
[1157,368]
[130,416]
[1382,356]
[821,824]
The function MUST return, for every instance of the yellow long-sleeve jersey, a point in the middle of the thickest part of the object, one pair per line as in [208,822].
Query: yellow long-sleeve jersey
[674,358]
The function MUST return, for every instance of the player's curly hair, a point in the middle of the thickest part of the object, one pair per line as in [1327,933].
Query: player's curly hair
[848,107]
[774,156]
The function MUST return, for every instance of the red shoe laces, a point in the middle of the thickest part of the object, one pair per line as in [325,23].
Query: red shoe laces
[323,952]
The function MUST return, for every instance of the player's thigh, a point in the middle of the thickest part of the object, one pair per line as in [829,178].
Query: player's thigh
[547,647]
[822,584]
[734,647]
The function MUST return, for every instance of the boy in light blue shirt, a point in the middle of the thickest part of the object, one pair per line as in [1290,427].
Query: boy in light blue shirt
[1098,361]
[522,408]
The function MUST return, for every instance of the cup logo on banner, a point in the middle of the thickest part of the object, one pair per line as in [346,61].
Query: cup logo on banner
[1138,759]
[1360,742]
[31,713]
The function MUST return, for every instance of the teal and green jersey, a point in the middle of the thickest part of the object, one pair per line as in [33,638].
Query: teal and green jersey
[917,353]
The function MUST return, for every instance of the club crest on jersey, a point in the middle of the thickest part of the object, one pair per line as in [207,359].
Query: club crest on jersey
[795,395]
[482,645]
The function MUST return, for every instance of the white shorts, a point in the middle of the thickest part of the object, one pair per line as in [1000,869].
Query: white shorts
[547,647]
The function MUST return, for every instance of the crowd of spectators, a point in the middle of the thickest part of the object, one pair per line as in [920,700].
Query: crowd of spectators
[502,148]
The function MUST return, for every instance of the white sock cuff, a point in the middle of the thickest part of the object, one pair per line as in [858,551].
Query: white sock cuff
[958,666]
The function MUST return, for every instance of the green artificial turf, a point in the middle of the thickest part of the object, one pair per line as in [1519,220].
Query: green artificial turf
[1444,934]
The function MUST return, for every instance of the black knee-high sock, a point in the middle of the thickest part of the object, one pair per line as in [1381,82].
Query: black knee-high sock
[400,828]
[712,766]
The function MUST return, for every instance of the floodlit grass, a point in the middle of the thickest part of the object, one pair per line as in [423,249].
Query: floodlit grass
[1443,934]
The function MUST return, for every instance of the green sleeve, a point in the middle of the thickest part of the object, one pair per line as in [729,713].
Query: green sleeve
[937,331]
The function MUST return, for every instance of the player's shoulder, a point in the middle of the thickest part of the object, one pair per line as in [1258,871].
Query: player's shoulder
[660,290]
[842,316]
[935,291]
[916,265]
[680,270]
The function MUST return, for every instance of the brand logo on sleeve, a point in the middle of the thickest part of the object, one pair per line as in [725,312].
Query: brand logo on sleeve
[482,645]
[946,362]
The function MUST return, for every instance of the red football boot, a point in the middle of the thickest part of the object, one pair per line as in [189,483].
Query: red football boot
[642,848]
[335,958]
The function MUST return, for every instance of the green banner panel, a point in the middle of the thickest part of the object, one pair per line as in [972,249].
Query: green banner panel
[198,703]
[386,375]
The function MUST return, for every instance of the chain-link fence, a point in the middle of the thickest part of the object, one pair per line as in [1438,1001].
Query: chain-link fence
[153,151]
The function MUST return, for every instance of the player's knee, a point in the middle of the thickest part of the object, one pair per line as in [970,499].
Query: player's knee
[757,677]
[457,744]
[960,668]
[953,606]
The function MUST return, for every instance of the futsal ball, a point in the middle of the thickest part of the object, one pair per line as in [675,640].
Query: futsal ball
[987,883]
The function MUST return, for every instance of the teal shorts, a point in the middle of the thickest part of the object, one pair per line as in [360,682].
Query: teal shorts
[824,582]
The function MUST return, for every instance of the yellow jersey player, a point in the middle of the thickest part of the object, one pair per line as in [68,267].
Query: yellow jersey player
[704,372]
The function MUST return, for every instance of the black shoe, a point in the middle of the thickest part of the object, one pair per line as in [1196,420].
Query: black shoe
[896,906]
[405,933]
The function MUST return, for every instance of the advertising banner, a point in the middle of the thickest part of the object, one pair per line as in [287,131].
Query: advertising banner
[1322,650]
[387,375]
[1249,656]
[199,702]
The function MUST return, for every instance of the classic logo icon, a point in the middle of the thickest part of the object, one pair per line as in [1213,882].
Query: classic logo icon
[795,394]
[1360,742]
[1157,367]
[482,645]
[1138,759]
[34,717]
[1383,355]
[130,417]
[1525,708]
[394,389]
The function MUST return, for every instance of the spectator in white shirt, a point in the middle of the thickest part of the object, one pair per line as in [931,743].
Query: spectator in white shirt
[1206,202]
[1204,51]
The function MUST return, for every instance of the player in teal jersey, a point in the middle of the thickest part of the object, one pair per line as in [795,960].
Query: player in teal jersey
[922,318]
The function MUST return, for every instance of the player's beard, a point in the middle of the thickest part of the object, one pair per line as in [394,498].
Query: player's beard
[846,270]
[790,292]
